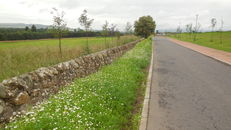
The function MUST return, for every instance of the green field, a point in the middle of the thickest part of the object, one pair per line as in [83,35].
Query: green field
[204,39]
[104,100]
[18,57]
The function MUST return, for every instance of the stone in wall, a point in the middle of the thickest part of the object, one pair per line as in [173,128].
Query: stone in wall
[21,98]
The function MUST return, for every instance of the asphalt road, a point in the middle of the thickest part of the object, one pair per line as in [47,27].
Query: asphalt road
[189,91]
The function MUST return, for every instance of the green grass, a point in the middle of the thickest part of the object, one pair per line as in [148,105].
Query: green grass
[204,39]
[137,111]
[103,100]
[18,57]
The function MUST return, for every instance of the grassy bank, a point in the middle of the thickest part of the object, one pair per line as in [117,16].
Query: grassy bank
[103,100]
[204,39]
[18,57]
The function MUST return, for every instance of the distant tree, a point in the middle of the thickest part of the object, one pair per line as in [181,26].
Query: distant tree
[145,26]
[59,25]
[27,28]
[157,32]
[128,28]
[112,31]
[221,31]
[189,29]
[179,31]
[80,30]
[196,28]
[86,23]
[105,32]
[33,28]
[213,24]
[117,33]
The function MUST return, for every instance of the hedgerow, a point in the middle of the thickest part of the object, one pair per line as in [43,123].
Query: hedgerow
[103,100]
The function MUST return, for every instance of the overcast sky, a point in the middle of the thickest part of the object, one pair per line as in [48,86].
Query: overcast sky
[168,14]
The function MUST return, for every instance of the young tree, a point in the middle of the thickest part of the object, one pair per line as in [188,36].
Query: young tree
[196,28]
[179,31]
[105,33]
[33,28]
[145,26]
[221,31]
[128,28]
[213,24]
[59,25]
[189,29]
[26,28]
[86,23]
[112,31]
[117,33]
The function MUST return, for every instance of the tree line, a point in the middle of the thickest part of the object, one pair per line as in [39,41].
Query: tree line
[23,34]
[193,30]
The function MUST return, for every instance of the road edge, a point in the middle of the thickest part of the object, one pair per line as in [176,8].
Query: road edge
[145,109]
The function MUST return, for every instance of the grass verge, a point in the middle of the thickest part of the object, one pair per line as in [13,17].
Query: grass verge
[134,121]
[204,39]
[103,100]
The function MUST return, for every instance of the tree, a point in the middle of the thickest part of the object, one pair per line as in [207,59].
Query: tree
[26,28]
[86,23]
[189,29]
[213,24]
[33,28]
[179,31]
[117,33]
[128,28]
[105,32]
[112,31]
[221,30]
[145,26]
[196,28]
[59,25]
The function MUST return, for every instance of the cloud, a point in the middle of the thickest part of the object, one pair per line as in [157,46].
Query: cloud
[168,14]
[69,4]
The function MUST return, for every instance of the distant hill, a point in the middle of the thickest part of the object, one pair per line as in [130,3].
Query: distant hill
[21,25]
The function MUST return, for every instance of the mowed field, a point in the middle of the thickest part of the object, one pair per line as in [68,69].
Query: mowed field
[204,39]
[18,57]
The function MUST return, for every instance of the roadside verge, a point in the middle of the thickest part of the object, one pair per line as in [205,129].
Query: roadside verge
[145,109]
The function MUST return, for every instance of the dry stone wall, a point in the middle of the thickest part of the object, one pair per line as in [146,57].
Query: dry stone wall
[18,93]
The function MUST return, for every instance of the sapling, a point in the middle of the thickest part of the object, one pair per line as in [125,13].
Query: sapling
[86,23]
[59,25]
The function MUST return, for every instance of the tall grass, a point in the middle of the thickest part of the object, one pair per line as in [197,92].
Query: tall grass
[103,100]
[204,39]
[18,57]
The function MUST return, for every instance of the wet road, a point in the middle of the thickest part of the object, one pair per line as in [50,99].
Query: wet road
[189,91]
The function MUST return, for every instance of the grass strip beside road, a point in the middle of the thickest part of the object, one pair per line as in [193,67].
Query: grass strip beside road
[204,39]
[103,100]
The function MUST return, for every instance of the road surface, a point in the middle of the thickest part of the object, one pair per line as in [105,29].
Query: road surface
[189,91]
